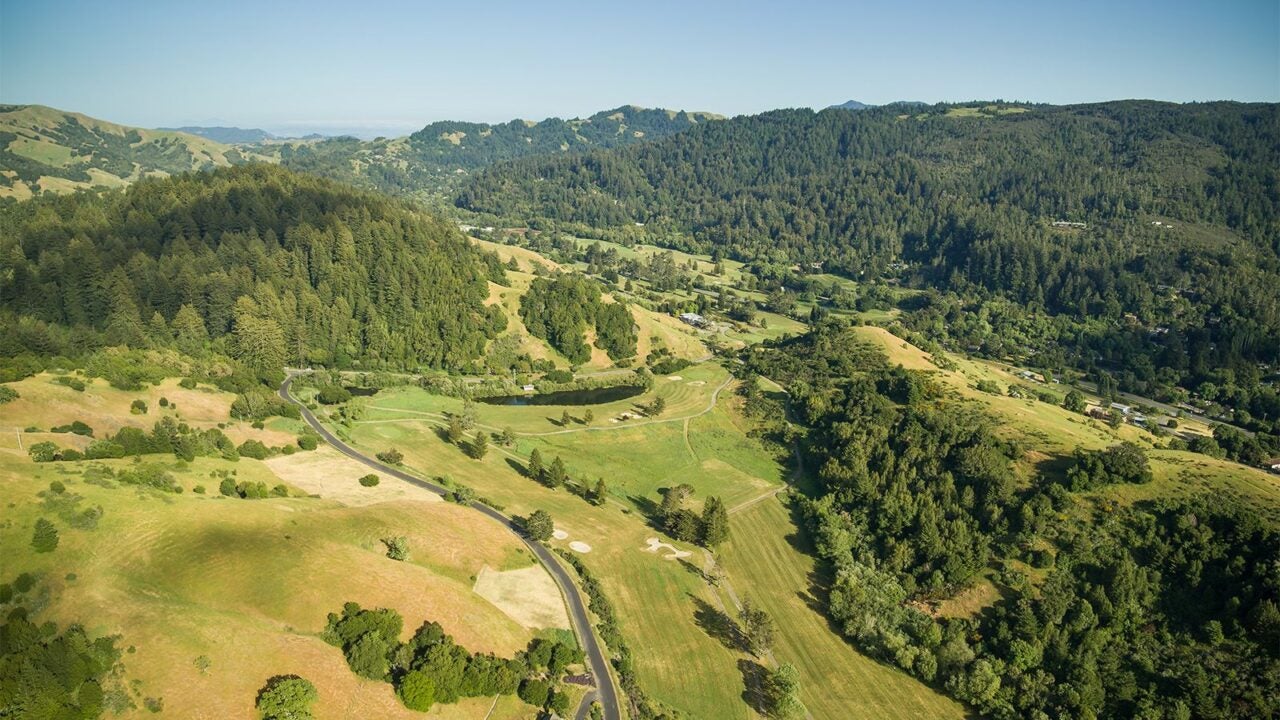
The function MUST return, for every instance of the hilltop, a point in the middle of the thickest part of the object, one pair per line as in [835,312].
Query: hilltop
[435,157]
[227,135]
[42,148]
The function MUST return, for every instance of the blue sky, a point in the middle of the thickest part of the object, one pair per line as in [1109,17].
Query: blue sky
[393,66]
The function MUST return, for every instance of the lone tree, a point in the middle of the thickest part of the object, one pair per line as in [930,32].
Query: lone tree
[534,469]
[286,697]
[455,431]
[539,525]
[658,406]
[1074,401]
[45,537]
[757,628]
[565,419]
[598,495]
[556,474]
[715,523]
[397,547]
[480,446]
[508,437]
[588,417]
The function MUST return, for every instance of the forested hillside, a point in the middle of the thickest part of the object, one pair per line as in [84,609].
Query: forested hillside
[1138,238]
[272,267]
[432,158]
[46,149]
[1161,609]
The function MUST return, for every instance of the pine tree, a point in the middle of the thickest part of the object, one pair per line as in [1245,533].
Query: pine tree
[455,431]
[598,495]
[715,523]
[45,537]
[556,475]
[480,446]
[189,329]
[534,469]
[565,419]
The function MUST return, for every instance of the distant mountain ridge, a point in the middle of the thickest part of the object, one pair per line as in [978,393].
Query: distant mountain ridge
[45,149]
[227,135]
[850,105]
[434,156]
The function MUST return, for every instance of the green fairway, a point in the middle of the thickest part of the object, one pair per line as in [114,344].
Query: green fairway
[768,561]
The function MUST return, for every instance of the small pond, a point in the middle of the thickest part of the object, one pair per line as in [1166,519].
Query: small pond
[595,396]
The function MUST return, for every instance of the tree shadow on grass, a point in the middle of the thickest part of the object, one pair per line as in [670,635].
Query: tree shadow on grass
[754,676]
[648,509]
[518,466]
[717,624]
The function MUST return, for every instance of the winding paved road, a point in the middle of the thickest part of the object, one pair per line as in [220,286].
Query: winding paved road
[606,692]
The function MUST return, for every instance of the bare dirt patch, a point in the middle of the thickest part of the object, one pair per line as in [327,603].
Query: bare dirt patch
[528,595]
[330,474]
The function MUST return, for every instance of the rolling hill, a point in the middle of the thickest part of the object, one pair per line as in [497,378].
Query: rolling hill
[42,148]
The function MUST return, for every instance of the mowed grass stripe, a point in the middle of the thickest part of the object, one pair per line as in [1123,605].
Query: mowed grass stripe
[837,680]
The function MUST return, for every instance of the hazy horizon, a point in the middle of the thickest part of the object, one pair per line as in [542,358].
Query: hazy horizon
[296,68]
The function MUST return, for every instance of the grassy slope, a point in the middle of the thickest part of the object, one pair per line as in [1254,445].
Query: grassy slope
[246,583]
[33,125]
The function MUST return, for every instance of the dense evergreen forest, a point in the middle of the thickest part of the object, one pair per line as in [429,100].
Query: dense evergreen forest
[432,158]
[258,263]
[1166,609]
[560,310]
[1137,238]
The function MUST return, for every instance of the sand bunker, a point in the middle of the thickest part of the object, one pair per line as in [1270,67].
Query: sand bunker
[676,553]
[330,474]
[696,383]
[578,546]
[528,595]
[559,534]
[675,378]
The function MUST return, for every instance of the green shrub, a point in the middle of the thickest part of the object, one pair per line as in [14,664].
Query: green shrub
[72,382]
[286,697]
[76,428]
[333,394]
[254,449]
[8,394]
[417,691]
[369,480]
[308,442]
[391,456]
[45,536]
[138,407]
[187,383]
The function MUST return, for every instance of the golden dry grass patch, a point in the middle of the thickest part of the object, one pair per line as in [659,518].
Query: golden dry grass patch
[528,595]
[330,474]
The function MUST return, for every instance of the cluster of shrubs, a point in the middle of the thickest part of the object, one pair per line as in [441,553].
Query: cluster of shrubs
[7,394]
[555,476]
[166,436]
[431,668]
[245,489]
[259,403]
[70,381]
[1123,463]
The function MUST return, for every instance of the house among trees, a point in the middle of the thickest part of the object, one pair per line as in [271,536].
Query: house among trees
[693,319]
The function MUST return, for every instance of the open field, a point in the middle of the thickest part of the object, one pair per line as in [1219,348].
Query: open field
[658,599]
[663,600]
[247,584]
